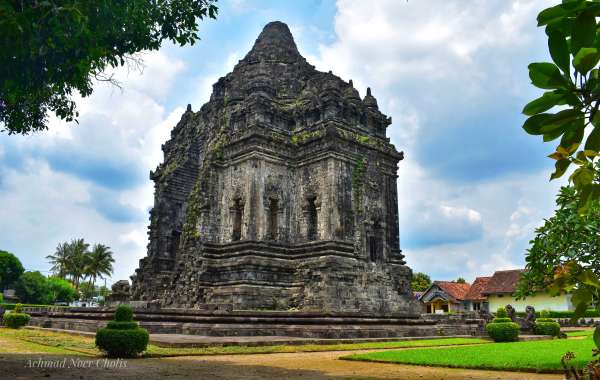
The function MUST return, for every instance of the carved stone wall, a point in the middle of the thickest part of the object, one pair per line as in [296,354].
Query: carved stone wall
[278,193]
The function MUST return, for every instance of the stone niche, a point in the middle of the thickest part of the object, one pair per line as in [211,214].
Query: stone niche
[278,194]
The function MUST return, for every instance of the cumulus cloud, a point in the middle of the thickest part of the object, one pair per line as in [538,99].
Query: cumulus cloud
[90,180]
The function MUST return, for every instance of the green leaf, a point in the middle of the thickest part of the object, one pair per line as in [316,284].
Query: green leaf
[558,12]
[584,31]
[586,195]
[543,103]
[573,135]
[582,176]
[588,277]
[553,135]
[593,140]
[586,59]
[547,76]
[561,167]
[559,51]
[534,124]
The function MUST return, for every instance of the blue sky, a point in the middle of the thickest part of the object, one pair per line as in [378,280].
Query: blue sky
[451,73]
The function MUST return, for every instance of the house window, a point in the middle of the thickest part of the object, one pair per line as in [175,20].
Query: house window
[238,214]
[312,218]
[476,306]
[273,215]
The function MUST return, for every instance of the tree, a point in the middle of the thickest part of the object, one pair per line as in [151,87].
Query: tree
[420,282]
[52,49]
[61,290]
[87,290]
[70,260]
[565,252]
[33,288]
[460,280]
[60,260]
[99,263]
[10,269]
[574,43]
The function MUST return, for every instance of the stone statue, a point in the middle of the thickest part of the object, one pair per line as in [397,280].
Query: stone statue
[528,322]
[121,291]
[510,311]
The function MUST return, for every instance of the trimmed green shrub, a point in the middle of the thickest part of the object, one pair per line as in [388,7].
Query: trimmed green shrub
[122,343]
[503,332]
[117,325]
[16,320]
[501,313]
[546,328]
[545,320]
[18,308]
[122,338]
[597,336]
[124,313]
[501,320]
[544,314]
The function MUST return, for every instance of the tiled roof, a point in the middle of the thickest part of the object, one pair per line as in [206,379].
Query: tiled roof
[476,291]
[418,295]
[455,290]
[503,282]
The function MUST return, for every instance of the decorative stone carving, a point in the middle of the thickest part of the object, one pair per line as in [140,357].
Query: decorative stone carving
[280,186]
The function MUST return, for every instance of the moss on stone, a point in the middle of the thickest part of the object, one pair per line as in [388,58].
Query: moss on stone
[358,178]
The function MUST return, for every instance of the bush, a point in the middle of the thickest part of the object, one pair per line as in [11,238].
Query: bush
[501,313]
[501,320]
[117,325]
[546,328]
[16,320]
[122,343]
[122,337]
[597,336]
[33,287]
[124,313]
[61,290]
[544,314]
[18,308]
[503,331]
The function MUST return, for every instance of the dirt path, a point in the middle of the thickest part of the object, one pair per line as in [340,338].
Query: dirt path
[318,365]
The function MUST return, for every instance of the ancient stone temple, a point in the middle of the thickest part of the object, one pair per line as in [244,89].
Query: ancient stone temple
[279,193]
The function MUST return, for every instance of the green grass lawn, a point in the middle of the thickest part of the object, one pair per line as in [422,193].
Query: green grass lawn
[85,344]
[536,356]
[587,332]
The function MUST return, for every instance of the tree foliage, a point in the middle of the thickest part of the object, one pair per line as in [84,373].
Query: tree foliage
[10,269]
[572,98]
[75,261]
[420,282]
[33,287]
[61,290]
[565,253]
[55,48]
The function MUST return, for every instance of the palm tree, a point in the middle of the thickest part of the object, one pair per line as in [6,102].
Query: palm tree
[60,260]
[78,260]
[99,263]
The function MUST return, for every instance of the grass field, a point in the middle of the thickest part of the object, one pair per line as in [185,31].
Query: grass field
[535,356]
[85,345]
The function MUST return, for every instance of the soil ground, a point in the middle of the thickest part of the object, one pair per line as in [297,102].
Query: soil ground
[314,365]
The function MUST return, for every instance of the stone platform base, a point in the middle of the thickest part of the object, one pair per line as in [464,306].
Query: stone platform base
[256,323]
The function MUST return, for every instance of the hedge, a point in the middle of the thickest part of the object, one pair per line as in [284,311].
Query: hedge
[546,328]
[11,306]
[122,338]
[122,343]
[120,325]
[16,320]
[590,313]
[503,331]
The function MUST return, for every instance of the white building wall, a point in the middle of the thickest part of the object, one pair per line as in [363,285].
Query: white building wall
[539,302]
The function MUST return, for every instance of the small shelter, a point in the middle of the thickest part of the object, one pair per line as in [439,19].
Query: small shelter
[446,296]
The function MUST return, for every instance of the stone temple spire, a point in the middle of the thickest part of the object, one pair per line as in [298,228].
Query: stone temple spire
[275,43]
